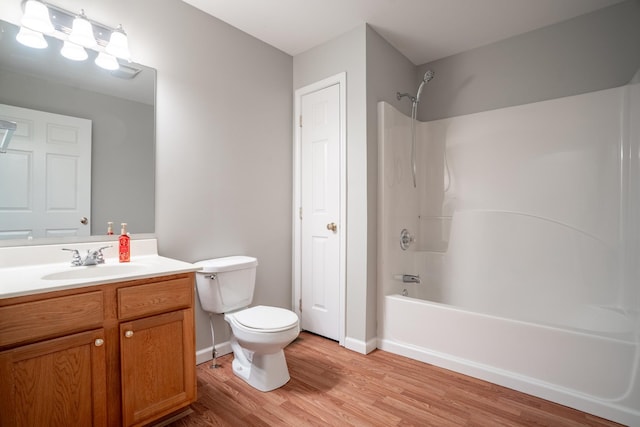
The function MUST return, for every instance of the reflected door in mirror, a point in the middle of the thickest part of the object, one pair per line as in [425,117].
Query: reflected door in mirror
[45,175]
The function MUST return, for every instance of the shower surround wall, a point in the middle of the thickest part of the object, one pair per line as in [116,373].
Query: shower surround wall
[525,222]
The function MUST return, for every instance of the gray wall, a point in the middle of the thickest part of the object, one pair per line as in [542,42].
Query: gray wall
[223,144]
[122,162]
[224,120]
[595,51]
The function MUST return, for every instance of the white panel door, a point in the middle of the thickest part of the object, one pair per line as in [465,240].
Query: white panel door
[45,175]
[320,228]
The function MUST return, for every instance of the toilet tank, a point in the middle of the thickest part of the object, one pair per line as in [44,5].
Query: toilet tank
[226,284]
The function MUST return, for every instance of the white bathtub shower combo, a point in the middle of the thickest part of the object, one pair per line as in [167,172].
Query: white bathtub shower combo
[525,231]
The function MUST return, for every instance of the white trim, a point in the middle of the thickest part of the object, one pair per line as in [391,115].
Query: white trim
[341,80]
[361,346]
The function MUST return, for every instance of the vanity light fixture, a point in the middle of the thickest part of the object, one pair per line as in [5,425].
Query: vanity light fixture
[9,128]
[76,31]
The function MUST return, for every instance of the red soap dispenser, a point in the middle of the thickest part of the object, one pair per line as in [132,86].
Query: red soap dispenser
[125,244]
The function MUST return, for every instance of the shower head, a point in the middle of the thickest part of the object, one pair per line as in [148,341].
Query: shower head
[427,77]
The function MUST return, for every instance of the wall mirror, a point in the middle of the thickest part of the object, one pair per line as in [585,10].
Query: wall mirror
[119,107]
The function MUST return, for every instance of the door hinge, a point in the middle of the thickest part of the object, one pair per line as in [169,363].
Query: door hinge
[300,304]
[300,120]
[300,212]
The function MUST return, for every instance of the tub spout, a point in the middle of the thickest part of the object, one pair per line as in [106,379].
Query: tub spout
[407,278]
[410,278]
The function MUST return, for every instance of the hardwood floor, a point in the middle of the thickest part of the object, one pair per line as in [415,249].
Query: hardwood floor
[332,386]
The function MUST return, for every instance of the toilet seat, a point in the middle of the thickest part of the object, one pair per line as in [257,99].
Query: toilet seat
[264,319]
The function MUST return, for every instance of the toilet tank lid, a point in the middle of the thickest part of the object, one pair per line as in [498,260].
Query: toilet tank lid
[230,263]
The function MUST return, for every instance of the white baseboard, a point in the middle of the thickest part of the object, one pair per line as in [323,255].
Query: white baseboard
[205,355]
[360,346]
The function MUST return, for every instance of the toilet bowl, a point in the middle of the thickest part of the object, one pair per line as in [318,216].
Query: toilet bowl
[258,334]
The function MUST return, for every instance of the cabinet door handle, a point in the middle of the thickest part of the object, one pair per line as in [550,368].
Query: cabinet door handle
[99,342]
[128,334]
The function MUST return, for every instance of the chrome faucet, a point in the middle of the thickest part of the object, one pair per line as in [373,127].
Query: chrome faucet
[93,257]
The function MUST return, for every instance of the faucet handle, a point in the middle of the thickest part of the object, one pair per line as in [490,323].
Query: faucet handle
[100,255]
[76,260]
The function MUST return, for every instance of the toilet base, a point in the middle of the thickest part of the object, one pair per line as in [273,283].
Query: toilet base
[264,372]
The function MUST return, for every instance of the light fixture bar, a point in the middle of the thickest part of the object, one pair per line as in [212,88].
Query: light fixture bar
[62,21]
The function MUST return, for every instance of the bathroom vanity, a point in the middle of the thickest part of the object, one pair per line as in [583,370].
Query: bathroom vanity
[100,345]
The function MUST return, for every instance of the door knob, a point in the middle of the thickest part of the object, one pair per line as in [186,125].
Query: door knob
[99,342]
[84,220]
[332,226]
[128,334]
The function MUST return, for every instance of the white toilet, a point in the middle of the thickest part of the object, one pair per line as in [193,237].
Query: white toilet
[258,334]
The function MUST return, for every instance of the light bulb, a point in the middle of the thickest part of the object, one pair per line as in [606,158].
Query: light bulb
[73,51]
[82,32]
[36,17]
[119,44]
[106,61]
[31,38]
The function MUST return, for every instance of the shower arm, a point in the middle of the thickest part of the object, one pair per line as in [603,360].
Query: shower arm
[399,96]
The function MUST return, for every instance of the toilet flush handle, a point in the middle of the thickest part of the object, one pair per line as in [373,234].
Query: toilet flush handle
[212,276]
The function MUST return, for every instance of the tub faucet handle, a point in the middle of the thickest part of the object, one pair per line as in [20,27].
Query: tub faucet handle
[405,239]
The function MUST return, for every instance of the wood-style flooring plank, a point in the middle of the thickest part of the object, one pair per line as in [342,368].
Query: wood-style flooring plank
[332,386]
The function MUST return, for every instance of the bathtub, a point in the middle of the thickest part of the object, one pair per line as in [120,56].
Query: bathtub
[595,373]
[525,226]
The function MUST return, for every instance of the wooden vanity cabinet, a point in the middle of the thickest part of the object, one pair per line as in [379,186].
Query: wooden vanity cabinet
[120,354]
[152,346]
[150,383]
[58,382]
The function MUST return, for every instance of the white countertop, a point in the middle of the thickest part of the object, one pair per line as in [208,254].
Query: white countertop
[21,274]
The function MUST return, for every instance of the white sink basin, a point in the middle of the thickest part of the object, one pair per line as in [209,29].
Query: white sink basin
[93,271]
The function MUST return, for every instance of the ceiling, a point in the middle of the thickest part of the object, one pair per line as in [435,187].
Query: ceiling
[423,30]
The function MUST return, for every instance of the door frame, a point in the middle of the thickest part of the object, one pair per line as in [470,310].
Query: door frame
[341,80]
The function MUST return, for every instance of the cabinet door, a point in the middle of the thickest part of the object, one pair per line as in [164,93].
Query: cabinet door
[60,382]
[158,366]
